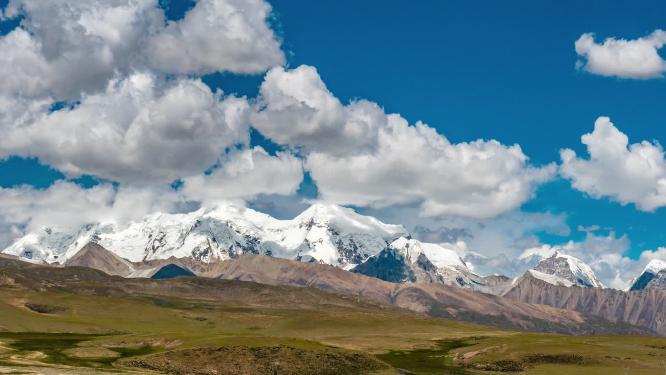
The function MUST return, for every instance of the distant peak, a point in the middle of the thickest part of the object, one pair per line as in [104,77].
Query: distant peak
[323,209]
[347,220]
[563,269]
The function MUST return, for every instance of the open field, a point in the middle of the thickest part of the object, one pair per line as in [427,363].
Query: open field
[98,325]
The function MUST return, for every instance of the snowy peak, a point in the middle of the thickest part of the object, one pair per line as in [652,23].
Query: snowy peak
[338,235]
[346,220]
[565,270]
[652,277]
[205,235]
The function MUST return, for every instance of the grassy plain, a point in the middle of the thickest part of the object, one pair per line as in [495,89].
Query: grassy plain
[78,333]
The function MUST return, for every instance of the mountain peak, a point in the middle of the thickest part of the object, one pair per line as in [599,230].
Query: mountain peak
[347,220]
[565,270]
[321,208]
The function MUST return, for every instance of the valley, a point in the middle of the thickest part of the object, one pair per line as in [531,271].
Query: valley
[79,320]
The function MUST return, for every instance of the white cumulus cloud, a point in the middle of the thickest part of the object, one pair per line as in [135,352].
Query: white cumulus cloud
[64,204]
[130,107]
[67,47]
[296,108]
[140,130]
[358,155]
[416,164]
[637,58]
[627,173]
[245,174]
[217,35]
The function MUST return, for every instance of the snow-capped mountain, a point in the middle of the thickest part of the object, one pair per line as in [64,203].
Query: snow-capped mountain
[653,276]
[337,235]
[409,260]
[322,233]
[565,270]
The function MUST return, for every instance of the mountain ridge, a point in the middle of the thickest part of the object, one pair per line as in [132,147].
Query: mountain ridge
[326,233]
[643,308]
[436,300]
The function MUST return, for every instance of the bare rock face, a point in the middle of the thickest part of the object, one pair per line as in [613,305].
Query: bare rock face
[497,284]
[645,308]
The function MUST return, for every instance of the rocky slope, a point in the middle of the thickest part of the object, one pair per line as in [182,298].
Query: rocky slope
[433,299]
[641,308]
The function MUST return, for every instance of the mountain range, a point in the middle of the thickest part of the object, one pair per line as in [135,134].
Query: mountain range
[324,233]
[338,250]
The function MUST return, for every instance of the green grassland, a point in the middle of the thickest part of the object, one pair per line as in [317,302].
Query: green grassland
[74,333]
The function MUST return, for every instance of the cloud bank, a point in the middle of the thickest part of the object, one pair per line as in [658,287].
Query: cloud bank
[359,155]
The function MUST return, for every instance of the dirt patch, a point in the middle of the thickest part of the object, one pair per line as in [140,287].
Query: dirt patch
[91,352]
[44,309]
[242,360]
[7,281]
[466,356]
[505,365]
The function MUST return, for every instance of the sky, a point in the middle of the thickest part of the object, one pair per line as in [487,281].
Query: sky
[448,117]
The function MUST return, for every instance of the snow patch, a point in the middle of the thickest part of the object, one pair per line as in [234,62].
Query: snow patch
[551,279]
[655,266]
[439,256]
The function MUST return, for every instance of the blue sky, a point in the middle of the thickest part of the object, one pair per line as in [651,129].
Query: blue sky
[484,70]
[470,69]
